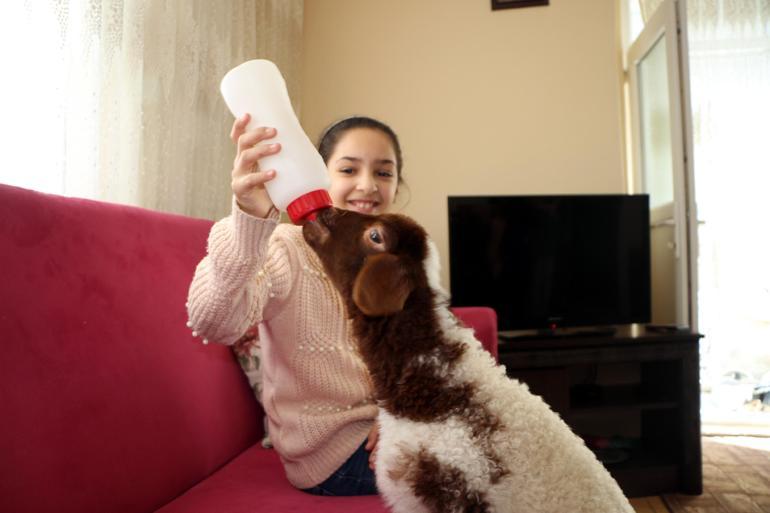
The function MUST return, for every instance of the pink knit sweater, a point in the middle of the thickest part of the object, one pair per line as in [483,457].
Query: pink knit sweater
[316,391]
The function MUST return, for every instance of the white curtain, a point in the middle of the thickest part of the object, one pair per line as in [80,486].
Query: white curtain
[119,100]
[729,50]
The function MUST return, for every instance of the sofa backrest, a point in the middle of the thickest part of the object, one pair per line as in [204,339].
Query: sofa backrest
[483,320]
[107,402]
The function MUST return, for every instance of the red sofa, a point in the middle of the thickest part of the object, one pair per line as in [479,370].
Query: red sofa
[107,402]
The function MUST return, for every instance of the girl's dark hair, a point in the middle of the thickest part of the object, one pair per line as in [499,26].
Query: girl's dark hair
[332,135]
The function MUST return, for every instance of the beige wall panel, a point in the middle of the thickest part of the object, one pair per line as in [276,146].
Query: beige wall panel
[518,101]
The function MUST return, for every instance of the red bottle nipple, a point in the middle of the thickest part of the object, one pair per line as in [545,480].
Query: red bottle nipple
[307,206]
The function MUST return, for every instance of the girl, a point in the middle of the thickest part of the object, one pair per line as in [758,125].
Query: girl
[260,284]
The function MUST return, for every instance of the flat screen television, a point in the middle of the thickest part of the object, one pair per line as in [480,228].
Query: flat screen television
[549,262]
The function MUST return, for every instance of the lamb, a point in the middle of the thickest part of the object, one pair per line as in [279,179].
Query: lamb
[456,434]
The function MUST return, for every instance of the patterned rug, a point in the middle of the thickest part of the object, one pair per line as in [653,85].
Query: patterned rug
[736,478]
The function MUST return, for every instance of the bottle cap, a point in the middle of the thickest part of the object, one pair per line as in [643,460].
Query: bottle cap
[305,207]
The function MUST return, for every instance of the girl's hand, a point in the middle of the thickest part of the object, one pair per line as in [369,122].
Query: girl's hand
[248,181]
[371,443]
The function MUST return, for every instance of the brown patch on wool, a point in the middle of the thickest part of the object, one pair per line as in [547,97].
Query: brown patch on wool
[404,464]
[499,470]
[441,487]
[371,259]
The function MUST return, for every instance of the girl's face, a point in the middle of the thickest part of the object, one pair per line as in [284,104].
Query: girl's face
[363,172]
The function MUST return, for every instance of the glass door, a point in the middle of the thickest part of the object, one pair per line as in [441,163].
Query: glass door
[660,145]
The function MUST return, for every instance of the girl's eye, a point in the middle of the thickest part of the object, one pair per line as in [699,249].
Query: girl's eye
[347,170]
[385,173]
[375,236]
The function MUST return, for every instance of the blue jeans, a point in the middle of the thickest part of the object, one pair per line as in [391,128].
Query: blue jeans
[354,477]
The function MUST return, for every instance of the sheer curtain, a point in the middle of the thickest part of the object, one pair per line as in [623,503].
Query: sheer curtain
[119,99]
[730,81]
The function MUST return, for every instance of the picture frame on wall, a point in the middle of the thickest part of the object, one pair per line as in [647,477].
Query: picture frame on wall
[510,4]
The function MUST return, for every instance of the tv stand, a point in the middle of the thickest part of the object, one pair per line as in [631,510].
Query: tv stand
[633,396]
[592,331]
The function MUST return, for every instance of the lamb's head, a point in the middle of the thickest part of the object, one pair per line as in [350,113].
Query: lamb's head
[376,262]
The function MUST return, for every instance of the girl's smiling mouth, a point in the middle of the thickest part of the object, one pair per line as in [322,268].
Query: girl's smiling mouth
[363,206]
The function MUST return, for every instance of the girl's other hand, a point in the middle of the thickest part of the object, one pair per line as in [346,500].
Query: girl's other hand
[248,181]
[371,443]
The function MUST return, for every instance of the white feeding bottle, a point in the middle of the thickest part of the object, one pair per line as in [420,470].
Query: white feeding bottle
[301,181]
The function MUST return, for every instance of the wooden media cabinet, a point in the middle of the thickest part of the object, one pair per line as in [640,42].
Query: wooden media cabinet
[633,395]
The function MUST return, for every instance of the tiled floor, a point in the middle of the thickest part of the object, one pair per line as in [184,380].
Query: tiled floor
[736,478]
[649,505]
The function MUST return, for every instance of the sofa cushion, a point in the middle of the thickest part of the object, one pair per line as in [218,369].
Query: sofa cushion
[107,401]
[255,481]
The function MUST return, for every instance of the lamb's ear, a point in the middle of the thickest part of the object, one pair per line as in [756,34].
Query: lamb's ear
[382,286]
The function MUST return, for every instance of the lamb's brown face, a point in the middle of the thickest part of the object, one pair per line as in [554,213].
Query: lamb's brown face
[375,261]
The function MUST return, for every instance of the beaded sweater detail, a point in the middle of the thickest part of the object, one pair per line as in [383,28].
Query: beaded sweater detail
[261,285]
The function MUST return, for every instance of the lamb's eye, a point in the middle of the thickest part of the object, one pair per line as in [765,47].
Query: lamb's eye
[374,236]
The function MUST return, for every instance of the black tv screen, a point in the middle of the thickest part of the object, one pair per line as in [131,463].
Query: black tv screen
[544,262]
